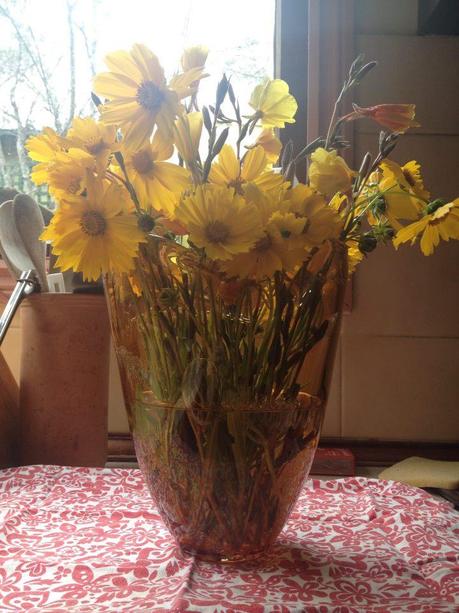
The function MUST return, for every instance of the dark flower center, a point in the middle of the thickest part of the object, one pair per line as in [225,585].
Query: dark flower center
[146,222]
[142,162]
[409,178]
[237,186]
[93,223]
[217,232]
[264,243]
[96,148]
[150,96]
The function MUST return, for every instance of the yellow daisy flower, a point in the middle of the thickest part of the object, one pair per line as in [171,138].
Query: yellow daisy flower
[44,146]
[322,222]
[442,223]
[139,96]
[272,146]
[401,201]
[273,104]
[94,234]
[93,137]
[267,202]
[280,248]
[229,171]
[43,149]
[157,183]
[412,174]
[65,173]
[220,221]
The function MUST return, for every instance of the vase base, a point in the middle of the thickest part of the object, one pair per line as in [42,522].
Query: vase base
[234,558]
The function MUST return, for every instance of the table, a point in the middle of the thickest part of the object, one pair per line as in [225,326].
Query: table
[89,540]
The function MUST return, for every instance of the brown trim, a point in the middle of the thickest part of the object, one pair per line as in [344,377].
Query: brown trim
[367,452]
[120,445]
[291,65]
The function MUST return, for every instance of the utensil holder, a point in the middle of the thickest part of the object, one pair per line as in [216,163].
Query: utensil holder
[64,380]
[9,399]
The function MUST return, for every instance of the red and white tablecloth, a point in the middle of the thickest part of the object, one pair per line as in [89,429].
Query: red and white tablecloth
[89,540]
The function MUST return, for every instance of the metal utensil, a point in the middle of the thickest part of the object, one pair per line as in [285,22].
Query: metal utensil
[29,224]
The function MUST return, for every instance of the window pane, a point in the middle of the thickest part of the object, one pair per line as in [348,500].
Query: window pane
[40,86]
[240,40]
[239,34]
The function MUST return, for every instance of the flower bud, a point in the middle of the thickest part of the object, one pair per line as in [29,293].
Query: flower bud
[394,117]
[367,243]
[222,90]
[194,57]
[271,145]
[435,204]
[146,222]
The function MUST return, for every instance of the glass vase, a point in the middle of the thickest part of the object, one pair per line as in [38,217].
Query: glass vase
[225,384]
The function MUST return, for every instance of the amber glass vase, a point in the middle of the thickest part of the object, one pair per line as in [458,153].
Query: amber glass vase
[225,384]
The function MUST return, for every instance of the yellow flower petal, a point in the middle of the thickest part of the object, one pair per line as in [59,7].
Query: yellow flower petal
[227,168]
[270,143]
[410,232]
[328,172]
[429,239]
[110,85]
[220,221]
[95,236]
[194,57]
[273,103]
[148,64]
[122,63]
[412,174]
[188,129]
[138,95]
[254,163]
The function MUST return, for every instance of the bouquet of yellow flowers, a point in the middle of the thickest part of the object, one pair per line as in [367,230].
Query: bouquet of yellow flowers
[224,276]
[113,183]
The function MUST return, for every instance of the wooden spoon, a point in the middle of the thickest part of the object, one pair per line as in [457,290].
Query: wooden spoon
[16,257]
[19,263]
[29,223]
[4,214]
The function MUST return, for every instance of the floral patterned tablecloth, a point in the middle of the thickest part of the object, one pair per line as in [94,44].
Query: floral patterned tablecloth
[89,540]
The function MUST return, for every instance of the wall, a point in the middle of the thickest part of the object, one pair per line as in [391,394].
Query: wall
[397,371]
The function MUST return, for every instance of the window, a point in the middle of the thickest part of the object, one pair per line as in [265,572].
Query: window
[46,66]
